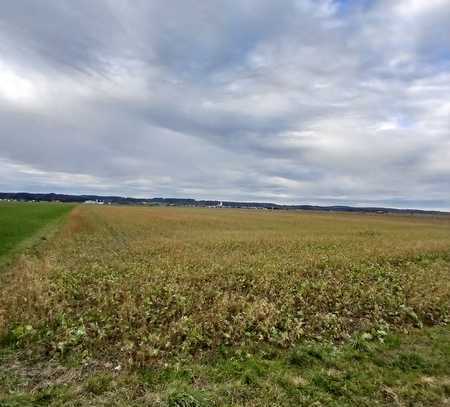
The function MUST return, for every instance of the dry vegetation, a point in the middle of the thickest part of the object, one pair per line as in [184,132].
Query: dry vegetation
[140,286]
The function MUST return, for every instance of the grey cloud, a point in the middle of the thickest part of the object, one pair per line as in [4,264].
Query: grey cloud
[289,101]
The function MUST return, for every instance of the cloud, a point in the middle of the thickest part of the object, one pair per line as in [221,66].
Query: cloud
[291,101]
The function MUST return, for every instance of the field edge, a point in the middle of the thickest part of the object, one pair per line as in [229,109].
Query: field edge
[36,240]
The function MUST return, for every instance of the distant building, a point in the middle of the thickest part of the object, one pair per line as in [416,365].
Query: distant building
[96,202]
[218,205]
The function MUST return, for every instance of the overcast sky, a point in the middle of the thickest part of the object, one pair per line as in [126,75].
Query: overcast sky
[288,101]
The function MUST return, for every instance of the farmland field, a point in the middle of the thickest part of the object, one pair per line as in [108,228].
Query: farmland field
[192,307]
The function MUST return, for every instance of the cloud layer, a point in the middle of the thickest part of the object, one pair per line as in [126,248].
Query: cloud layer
[292,101]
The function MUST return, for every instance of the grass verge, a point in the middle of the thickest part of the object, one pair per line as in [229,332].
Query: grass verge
[22,225]
[397,370]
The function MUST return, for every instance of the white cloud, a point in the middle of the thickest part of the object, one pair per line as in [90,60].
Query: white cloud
[414,8]
[16,89]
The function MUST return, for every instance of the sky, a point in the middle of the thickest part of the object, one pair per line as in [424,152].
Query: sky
[286,101]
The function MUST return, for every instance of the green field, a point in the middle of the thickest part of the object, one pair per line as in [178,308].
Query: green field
[20,221]
[204,307]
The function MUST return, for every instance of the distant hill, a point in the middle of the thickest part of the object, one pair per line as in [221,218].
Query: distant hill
[52,197]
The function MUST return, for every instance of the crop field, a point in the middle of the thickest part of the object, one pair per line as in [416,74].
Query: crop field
[203,307]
